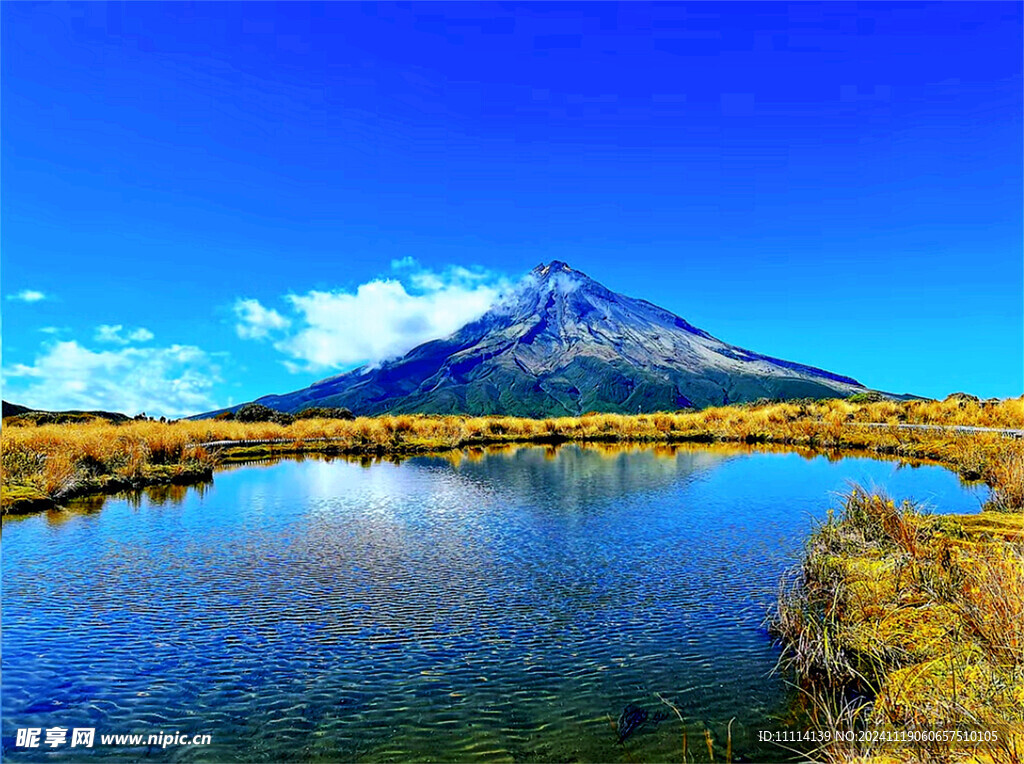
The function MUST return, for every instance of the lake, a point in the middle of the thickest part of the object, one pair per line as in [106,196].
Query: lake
[502,605]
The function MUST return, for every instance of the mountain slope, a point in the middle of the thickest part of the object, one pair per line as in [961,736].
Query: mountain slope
[562,344]
[38,416]
[13,409]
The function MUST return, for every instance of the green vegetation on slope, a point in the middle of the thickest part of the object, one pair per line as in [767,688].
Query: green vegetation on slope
[23,415]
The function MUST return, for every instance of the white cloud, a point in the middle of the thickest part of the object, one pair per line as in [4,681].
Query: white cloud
[256,322]
[28,295]
[108,333]
[404,263]
[172,381]
[112,333]
[381,319]
[52,329]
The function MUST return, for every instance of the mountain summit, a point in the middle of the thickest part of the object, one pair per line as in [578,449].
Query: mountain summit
[562,344]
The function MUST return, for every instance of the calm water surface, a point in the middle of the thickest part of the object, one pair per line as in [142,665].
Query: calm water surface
[503,607]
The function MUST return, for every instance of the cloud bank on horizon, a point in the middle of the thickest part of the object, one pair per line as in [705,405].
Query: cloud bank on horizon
[324,331]
[172,381]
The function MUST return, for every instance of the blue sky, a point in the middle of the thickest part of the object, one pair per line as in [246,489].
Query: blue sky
[203,203]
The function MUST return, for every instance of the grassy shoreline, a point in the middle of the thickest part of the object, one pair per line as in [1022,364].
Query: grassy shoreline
[43,465]
[902,622]
[896,620]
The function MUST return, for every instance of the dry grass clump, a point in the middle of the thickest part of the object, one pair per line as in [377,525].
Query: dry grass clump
[52,462]
[923,616]
[1006,476]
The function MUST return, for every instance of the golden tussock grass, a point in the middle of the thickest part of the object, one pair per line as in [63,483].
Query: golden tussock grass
[923,615]
[58,460]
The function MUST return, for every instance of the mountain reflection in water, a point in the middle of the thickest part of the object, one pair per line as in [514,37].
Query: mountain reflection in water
[505,603]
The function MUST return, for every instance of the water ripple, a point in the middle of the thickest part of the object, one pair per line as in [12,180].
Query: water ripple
[502,609]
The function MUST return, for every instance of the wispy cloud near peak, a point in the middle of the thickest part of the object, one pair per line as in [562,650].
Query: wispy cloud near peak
[379,319]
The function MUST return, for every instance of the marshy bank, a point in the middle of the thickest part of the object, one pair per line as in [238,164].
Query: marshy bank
[45,464]
[906,631]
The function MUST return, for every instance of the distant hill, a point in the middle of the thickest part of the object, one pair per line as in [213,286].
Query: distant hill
[25,414]
[563,344]
[13,409]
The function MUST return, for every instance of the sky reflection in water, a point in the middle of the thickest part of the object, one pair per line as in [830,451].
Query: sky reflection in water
[492,606]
